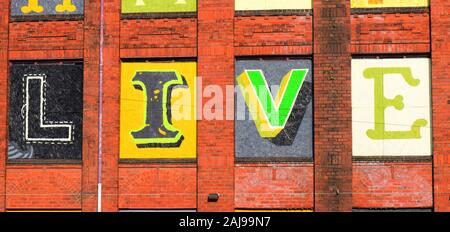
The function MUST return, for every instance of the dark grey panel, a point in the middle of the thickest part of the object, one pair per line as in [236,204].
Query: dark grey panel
[46,7]
[296,139]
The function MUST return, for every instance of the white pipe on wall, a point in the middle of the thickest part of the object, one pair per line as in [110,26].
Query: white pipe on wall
[100,110]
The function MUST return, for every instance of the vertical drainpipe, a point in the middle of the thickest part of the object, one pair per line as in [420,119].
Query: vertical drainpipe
[100,111]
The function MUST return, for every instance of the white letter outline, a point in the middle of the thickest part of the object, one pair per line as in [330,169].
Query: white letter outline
[42,122]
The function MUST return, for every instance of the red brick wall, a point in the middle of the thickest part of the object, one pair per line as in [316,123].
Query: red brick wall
[440,55]
[158,186]
[392,185]
[380,184]
[332,106]
[46,40]
[273,35]
[43,187]
[390,33]
[215,140]
[265,186]
[143,38]
[111,107]
[90,105]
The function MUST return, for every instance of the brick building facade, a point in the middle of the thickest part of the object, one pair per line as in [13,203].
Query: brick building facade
[331,34]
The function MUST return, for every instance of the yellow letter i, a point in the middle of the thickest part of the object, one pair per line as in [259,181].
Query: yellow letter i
[33,5]
[66,6]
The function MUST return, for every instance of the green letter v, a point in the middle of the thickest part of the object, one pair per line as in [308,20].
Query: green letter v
[270,115]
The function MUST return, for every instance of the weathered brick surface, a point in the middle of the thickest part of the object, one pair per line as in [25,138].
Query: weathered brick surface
[43,187]
[215,137]
[392,185]
[144,38]
[4,18]
[53,35]
[90,105]
[440,56]
[46,55]
[217,36]
[332,106]
[156,186]
[265,186]
[46,40]
[162,53]
[273,35]
[390,33]
[111,106]
[158,33]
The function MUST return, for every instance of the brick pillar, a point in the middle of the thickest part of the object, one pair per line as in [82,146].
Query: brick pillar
[215,137]
[111,88]
[111,106]
[440,56]
[90,105]
[4,25]
[332,110]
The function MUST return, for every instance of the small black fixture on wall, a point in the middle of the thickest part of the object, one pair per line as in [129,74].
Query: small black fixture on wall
[213,197]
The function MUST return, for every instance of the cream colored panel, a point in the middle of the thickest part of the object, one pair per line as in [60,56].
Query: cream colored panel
[391,107]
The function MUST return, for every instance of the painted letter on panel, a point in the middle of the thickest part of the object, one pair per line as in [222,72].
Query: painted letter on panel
[273,116]
[391,107]
[153,6]
[45,111]
[157,110]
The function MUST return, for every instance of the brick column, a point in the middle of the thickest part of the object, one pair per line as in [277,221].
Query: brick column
[4,21]
[111,93]
[111,106]
[90,105]
[215,137]
[332,106]
[440,85]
